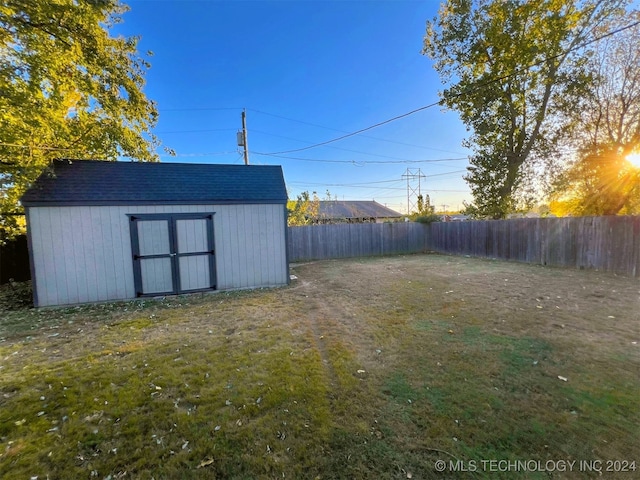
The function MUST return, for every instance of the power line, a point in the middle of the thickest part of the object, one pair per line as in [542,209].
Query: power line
[345,131]
[78,150]
[365,184]
[194,109]
[348,184]
[453,191]
[342,137]
[196,131]
[303,159]
[347,135]
[37,147]
[362,186]
[445,173]
[211,154]
[476,88]
[336,148]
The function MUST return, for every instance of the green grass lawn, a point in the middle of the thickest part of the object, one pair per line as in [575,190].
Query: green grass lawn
[364,368]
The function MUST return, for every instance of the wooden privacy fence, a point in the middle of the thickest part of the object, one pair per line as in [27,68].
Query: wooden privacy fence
[609,244]
[317,242]
[604,243]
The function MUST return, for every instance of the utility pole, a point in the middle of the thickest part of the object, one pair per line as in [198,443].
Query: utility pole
[244,137]
[411,175]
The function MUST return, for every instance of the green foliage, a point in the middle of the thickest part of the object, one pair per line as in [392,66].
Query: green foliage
[601,181]
[304,209]
[426,211]
[424,206]
[430,218]
[599,184]
[514,78]
[69,90]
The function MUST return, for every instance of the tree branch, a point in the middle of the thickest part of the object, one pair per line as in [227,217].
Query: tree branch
[41,26]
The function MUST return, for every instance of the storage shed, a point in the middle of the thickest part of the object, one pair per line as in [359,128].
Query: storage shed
[101,231]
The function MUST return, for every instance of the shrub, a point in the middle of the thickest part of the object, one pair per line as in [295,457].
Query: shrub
[432,217]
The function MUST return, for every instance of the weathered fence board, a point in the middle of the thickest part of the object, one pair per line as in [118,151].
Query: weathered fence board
[318,242]
[604,243]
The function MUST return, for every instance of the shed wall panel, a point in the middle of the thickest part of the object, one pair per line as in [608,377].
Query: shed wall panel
[87,252]
[83,254]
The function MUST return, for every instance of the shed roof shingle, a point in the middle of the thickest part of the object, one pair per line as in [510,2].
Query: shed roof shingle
[93,182]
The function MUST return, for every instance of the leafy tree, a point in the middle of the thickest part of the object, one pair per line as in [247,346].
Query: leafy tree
[599,184]
[67,90]
[303,210]
[514,69]
[601,181]
[424,206]
[426,213]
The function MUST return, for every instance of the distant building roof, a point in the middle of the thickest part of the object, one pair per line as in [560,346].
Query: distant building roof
[459,217]
[336,209]
[93,182]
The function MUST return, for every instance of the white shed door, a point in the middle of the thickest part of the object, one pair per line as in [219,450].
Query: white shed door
[172,253]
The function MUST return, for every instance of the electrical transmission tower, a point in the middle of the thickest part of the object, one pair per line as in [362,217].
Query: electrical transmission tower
[413,190]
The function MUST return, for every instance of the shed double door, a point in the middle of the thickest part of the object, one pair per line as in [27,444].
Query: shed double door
[172,254]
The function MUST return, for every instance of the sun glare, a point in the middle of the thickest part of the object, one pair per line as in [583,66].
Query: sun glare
[634,158]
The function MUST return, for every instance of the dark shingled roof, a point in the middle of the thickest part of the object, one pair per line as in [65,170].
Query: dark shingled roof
[354,209]
[92,182]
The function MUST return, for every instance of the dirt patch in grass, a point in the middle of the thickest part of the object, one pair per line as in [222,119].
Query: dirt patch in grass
[364,368]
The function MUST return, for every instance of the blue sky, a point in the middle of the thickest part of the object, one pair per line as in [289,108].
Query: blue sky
[306,71]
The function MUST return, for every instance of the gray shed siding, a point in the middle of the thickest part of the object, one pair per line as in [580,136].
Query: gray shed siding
[83,254]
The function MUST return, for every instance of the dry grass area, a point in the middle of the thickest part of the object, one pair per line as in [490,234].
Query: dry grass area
[363,368]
